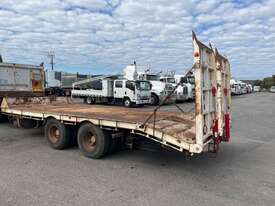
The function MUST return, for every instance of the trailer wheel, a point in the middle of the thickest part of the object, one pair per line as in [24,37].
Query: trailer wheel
[92,141]
[154,99]
[57,134]
[127,102]
[89,100]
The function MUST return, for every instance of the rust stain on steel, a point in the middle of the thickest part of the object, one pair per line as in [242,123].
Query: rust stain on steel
[198,94]
[186,119]
[181,127]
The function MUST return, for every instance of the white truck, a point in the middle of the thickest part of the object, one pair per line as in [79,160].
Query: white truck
[159,89]
[181,91]
[244,89]
[249,88]
[257,88]
[110,89]
[189,82]
[235,87]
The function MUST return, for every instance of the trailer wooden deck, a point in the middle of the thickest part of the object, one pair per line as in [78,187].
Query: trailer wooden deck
[174,129]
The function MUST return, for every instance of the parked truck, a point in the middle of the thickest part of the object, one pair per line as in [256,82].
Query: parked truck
[189,81]
[159,89]
[182,89]
[244,89]
[96,128]
[112,89]
[59,83]
[235,87]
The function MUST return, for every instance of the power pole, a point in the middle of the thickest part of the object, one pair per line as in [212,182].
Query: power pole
[51,55]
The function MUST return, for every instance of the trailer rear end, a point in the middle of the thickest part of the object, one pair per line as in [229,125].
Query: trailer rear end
[98,128]
[21,80]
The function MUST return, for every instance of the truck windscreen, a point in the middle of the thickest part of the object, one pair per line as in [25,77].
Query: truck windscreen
[143,85]
[150,77]
[191,80]
[171,80]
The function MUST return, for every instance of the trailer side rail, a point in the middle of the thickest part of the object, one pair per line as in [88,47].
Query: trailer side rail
[136,128]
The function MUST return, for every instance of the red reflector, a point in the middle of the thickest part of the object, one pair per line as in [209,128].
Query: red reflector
[196,54]
[225,91]
[35,83]
[227,126]
[214,91]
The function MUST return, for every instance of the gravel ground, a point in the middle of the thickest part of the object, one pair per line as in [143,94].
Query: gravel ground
[243,173]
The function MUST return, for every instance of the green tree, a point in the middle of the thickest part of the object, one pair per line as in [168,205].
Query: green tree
[268,82]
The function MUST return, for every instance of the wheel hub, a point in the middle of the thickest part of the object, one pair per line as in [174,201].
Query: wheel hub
[89,141]
[54,134]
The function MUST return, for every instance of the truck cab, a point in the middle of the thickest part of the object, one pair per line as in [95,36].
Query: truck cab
[235,87]
[159,89]
[249,88]
[53,82]
[181,91]
[243,87]
[132,92]
[189,82]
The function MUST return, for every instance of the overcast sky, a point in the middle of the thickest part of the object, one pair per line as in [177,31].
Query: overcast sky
[103,36]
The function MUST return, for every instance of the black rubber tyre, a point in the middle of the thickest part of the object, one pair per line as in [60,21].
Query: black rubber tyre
[127,102]
[92,141]
[57,134]
[154,99]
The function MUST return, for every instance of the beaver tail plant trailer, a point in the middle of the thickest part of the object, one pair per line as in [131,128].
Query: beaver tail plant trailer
[98,128]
